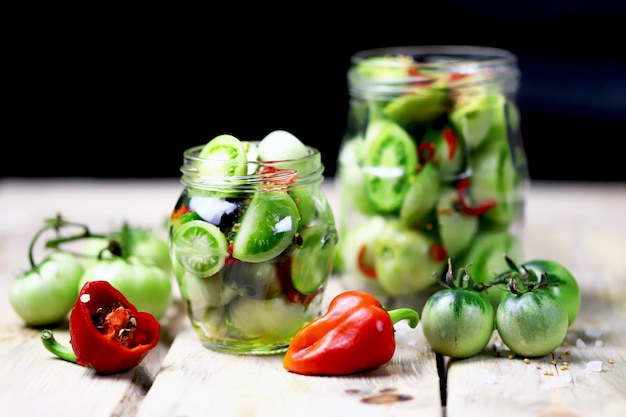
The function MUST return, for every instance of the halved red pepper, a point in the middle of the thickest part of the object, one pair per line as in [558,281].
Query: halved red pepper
[354,335]
[107,333]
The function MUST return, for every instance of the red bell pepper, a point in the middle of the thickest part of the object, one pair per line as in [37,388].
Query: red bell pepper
[354,335]
[107,333]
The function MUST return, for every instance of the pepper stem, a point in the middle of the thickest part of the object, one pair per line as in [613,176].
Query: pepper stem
[404,314]
[50,343]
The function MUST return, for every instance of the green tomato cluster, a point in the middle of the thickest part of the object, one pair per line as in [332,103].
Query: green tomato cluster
[134,260]
[532,317]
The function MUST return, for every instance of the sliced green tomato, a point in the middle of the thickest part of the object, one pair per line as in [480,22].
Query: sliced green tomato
[267,227]
[421,197]
[494,177]
[390,162]
[472,117]
[448,152]
[224,155]
[303,197]
[403,261]
[312,262]
[200,247]
[275,319]
[420,105]
[456,229]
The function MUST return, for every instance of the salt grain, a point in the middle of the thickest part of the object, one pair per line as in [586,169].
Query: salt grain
[594,366]
[593,332]
[599,343]
[580,343]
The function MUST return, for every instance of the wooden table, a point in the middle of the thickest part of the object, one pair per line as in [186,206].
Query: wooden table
[581,225]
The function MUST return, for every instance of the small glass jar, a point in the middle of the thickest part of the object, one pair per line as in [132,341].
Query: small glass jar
[252,253]
[431,168]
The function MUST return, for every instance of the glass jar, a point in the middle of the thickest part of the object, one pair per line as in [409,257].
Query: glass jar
[251,252]
[431,168]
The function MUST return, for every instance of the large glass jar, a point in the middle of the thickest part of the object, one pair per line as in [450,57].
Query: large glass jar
[252,245]
[431,168]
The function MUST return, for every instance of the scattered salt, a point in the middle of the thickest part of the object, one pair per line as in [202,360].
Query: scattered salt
[594,366]
[593,332]
[599,343]
[580,343]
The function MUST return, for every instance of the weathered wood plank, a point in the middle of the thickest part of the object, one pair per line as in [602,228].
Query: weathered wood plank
[195,381]
[586,231]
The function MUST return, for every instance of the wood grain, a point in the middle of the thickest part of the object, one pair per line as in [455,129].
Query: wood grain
[581,225]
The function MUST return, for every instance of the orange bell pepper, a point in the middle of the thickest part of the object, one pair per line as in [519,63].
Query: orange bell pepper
[354,335]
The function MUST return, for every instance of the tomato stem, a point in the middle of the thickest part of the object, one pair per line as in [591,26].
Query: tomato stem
[57,223]
[50,343]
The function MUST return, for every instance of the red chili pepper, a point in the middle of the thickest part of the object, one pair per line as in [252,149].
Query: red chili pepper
[425,152]
[482,208]
[107,332]
[354,335]
[368,271]
[451,139]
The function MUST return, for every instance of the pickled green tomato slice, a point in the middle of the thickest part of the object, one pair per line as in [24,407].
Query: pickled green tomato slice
[356,247]
[200,247]
[204,293]
[352,178]
[472,115]
[456,229]
[494,177]
[390,162]
[421,103]
[448,152]
[226,156]
[402,260]
[267,227]
[275,319]
[421,198]
[312,262]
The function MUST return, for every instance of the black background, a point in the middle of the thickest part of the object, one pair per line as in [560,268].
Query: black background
[118,93]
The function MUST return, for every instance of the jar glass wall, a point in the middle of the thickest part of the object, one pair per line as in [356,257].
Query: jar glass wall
[432,167]
[252,250]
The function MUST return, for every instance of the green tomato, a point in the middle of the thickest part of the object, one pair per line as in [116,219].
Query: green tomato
[456,229]
[145,285]
[563,284]
[458,322]
[389,164]
[403,260]
[421,198]
[272,319]
[141,243]
[224,155]
[44,295]
[532,323]
[267,227]
[312,261]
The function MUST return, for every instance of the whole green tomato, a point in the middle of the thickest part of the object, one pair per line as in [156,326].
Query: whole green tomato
[458,320]
[142,243]
[531,323]
[44,295]
[561,283]
[145,285]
